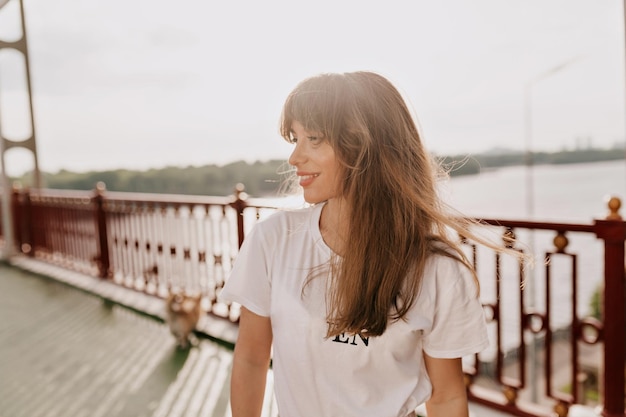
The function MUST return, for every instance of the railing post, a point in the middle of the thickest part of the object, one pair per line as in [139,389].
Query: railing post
[239,205]
[23,219]
[101,224]
[613,232]
[16,211]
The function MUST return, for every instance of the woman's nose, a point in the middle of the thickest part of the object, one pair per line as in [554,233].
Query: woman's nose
[297,155]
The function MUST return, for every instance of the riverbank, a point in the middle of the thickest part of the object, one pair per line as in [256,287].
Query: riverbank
[475,164]
[265,178]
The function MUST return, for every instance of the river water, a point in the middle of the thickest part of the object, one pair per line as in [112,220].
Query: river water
[561,193]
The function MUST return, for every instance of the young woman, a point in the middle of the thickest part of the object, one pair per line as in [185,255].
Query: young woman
[363,301]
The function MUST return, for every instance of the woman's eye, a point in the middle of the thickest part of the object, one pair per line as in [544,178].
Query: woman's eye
[315,139]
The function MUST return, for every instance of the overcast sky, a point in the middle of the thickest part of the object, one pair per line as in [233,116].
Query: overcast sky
[148,83]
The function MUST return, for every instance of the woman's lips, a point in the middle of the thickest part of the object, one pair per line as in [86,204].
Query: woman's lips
[307,179]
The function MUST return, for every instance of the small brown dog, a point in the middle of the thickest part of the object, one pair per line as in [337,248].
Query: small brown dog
[182,315]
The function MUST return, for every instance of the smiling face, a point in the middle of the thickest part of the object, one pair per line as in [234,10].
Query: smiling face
[316,165]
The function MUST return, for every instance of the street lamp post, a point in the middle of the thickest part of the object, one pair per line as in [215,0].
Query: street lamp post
[530,204]
[528,134]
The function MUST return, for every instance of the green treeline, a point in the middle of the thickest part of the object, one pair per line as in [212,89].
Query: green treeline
[473,164]
[267,178]
[260,179]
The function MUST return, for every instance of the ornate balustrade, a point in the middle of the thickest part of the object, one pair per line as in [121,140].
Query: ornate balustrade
[548,349]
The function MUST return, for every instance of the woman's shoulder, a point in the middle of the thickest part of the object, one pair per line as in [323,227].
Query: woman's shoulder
[283,220]
[283,215]
[445,279]
[445,270]
[444,261]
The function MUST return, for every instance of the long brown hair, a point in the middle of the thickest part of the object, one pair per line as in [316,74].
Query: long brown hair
[389,182]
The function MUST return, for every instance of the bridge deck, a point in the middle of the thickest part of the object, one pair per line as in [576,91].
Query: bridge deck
[69,354]
[74,346]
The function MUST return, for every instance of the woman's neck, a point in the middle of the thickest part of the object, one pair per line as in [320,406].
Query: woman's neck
[334,224]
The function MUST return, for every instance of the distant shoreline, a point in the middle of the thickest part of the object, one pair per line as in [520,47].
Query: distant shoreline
[474,164]
[263,178]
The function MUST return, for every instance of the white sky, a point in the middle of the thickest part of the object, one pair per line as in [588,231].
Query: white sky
[147,83]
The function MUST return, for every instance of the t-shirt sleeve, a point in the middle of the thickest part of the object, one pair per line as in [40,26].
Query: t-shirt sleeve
[248,283]
[458,323]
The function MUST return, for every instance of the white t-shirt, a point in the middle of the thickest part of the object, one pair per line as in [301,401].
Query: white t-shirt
[348,375]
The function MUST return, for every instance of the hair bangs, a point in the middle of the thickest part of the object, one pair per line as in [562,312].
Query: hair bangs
[314,104]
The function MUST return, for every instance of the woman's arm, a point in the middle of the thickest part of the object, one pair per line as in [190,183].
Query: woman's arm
[250,364]
[449,397]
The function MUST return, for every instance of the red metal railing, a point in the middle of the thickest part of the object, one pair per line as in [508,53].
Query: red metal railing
[148,242]
[540,364]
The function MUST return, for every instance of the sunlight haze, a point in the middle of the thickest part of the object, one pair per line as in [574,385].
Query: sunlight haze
[144,84]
